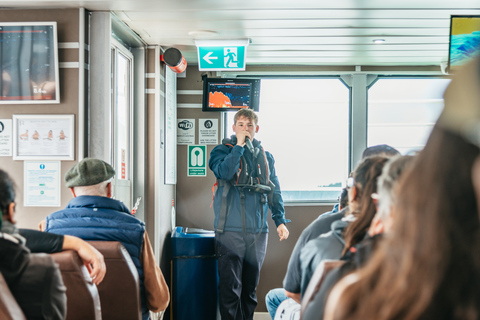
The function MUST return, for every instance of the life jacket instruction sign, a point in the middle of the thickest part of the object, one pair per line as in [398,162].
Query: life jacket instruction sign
[197,161]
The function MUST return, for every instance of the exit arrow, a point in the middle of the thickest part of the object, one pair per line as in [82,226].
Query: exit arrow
[207,57]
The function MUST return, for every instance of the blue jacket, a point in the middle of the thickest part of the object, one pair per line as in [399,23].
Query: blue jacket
[95,218]
[224,162]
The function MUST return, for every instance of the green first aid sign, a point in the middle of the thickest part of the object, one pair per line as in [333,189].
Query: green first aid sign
[197,161]
[227,58]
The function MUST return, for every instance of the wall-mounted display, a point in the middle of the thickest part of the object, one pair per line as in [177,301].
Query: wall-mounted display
[43,137]
[220,94]
[464,40]
[29,63]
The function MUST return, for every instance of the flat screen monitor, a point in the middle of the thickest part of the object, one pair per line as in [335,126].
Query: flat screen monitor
[29,63]
[220,94]
[464,40]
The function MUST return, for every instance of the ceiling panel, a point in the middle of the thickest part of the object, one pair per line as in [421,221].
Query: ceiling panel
[301,32]
[287,14]
[183,24]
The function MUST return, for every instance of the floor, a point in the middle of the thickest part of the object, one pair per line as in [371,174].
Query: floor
[261,316]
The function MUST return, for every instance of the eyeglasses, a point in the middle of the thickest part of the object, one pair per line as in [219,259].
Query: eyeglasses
[350,182]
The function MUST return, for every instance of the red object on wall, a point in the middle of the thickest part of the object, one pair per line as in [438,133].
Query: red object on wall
[123,164]
[174,59]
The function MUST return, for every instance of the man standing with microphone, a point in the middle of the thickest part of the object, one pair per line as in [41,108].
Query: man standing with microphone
[247,188]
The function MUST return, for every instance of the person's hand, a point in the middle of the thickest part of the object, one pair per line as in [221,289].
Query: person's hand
[94,262]
[91,257]
[282,232]
[476,178]
[42,225]
[241,137]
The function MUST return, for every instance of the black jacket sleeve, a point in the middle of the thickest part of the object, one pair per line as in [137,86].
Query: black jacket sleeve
[39,242]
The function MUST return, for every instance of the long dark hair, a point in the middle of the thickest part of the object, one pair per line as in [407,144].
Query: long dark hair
[429,266]
[365,176]
[7,192]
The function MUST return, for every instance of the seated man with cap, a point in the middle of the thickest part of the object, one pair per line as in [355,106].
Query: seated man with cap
[93,215]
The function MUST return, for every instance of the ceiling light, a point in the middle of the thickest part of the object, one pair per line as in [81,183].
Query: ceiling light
[378,41]
[202,33]
[221,43]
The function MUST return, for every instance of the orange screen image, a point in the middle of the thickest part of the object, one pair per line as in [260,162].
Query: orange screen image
[219,100]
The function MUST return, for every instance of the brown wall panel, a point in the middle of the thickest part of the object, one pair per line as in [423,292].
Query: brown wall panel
[194,196]
[193,80]
[150,60]
[278,253]
[67,20]
[150,204]
[68,55]
[193,98]
[68,26]
[150,83]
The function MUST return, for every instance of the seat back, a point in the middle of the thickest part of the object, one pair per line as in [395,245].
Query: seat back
[120,289]
[316,281]
[83,300]
[9,308]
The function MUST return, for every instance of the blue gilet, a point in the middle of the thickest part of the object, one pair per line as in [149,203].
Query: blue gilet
[94,218]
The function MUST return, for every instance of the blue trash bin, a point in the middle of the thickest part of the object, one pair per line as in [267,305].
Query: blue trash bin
[194,274]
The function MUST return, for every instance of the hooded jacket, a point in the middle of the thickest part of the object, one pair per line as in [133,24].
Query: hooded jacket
[225,162]
[33,279]
[327,246]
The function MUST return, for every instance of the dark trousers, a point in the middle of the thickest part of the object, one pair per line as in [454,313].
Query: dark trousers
[240,258]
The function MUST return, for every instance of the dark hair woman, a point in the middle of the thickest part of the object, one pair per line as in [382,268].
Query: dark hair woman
[7,194]
[360,198]
[345,233]
[429,267]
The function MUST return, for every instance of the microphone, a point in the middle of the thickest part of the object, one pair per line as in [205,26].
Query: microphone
[249,145]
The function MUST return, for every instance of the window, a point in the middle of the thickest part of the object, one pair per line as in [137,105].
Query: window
[122,116]
[122,75]
[311,153]
[402,112]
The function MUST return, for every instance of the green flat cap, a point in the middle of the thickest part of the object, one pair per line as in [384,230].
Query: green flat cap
[88,172]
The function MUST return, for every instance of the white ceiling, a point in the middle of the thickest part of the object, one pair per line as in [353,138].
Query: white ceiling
[294,32]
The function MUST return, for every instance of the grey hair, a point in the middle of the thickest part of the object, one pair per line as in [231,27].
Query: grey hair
[99,189]
[387,182]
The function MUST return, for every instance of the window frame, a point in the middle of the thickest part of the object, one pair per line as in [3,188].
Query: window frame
[358,84]
[400,77]
[225,129]
[118,48]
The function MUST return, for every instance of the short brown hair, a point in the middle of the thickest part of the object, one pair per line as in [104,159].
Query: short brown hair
[247,113]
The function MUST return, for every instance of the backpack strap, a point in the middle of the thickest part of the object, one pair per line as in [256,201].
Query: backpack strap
[242,204]
[262,202]
[223,210]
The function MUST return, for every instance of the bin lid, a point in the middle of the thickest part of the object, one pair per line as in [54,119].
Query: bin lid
[181,232]
[198,231]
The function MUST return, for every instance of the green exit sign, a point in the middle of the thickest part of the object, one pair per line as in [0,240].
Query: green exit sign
[217,58]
